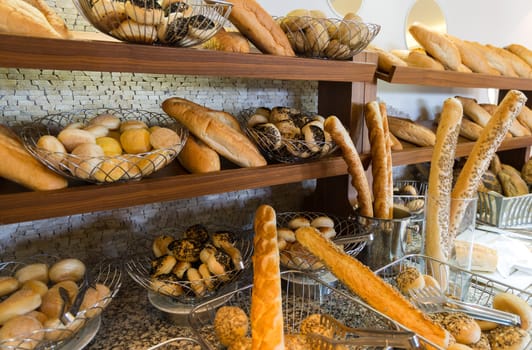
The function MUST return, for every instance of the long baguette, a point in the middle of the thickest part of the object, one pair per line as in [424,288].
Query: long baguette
[228,142]
[472,57]
[480,156]
[522,51]
[266,295]
[407,130]
[437,45]
[341,137]
[369,287]
[20,17]
[389,165]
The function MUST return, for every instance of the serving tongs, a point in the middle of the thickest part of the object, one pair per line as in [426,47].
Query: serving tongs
[349,336]
[68,314]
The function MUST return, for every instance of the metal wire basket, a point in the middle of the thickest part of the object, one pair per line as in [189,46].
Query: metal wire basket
[330,38]
[105,169]
[282,148]
[317,298]
[303,260]
[105,272]
[176,343]
[165,22]
[139,268]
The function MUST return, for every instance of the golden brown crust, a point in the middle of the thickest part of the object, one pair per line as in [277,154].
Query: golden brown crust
[523,52]
[53,18]
[266,296]
[386,60]
[519,65]
[525,117]
[230,323]
[197,157]
[470,130]
[371,288]
[20,17]
[409,131]
[472,57]
[496,60]
[511,181]
[354,165]
[228,41]
[437,45]
[419,59]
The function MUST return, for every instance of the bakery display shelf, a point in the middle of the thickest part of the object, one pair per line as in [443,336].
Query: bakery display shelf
[92,54]
[427,77]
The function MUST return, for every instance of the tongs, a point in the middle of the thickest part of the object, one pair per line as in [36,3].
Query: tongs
[68,315]
[387,339]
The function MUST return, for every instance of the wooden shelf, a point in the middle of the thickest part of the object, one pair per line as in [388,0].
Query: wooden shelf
[427,77]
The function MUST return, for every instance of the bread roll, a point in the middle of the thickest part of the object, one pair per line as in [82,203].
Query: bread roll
[437,45]
[228,41]
[470,130]
[419,59]
[523,52]
[526,172]
[474,111]
[511,181]
[525,117]
[369,287]
[197,157]
[36,271]
[341,137]
[386,60]
[71,138]
[38,287]
[18,303]
[24,330]
[472,57]
[67,269]
[110,121]
[462,327]
[8,285]
[514,304]
[53,302]
[223,139]
[266,296]
[19,166]
[259,27]
[407,130]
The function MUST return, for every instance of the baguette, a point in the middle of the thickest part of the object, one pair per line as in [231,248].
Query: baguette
[523,52]
[407,130]
[341,137]
[525,117]
[474,111]
[197,157]
[511,181]
[52,17]
[385,60]
[419,59]
[496,60]
[437,45]
[227,41]
[19,17]
[480,156]
[470,130]
[520,67]
[21,167]
[259,27]
[266,296]
[472,57]
[389,166]
[517,128]
[396,144]
[371,288]
[228,142]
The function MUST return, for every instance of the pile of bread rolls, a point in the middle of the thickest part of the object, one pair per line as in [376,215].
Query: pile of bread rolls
[106,148]
[440,51]
[32,303]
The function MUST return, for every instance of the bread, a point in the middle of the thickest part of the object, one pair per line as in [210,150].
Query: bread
[197,157]
[508,338]
[67,269]
[230,323]
[52,17]
[386,60]
[341,137]
[470,130]
[480,257]
[474,111]
[21,167]
[526,172]
[409,279]
[514,304]
[37,286]
[18,303]
[35,271]
[228,142]
[437,45]
[522,68]
[369,287]
[437,241]
[407,130]
[266,296]
[496,60]
[479,158]
[472,57]
[227,41]
[511,181]
[8,285]
[259,27]
[523,52]
[525,117]
[53,302]
[71,138]
[462,327]
[419,59]
[24,330]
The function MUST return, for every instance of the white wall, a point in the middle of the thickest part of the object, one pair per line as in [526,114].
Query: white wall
[487,21]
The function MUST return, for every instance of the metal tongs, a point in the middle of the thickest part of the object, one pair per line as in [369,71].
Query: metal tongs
[68,315]
[387,339]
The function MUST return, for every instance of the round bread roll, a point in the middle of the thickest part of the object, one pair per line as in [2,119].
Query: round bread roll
[242,343]
[86,157]
[144,12]
[164,138]
[8,285]
[52,302]
[486,325]
[410,278]
[52,144]
[462,327]
[60,331]
[97,130]
[75,125]
[287,234]
[110,146]
[38,315]
[431,282]
[37,271]
[312,324]
[508,338]
[21,328]
[298,222]
[512,303]
[71,138]
[132,124]
[109,121]
[526,172]
[37,286]
[18,303]
[230,324]
[322,221]
[135,140]
[67,269]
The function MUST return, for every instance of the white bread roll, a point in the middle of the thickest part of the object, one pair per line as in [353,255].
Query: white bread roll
[197,157]
[514,304]
[21,327]
[18,303]
[71,138]
[8,285]
[67,269]
[36,271]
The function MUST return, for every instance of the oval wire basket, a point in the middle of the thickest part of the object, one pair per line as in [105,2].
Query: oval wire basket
[105,272]
[139,269]
[104,169]
[170,23]
[330,38]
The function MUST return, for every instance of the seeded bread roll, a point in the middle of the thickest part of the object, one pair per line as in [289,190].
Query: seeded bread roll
[437,45]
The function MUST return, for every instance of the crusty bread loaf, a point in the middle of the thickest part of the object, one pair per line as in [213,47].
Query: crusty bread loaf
[496,60]
[519,65]
[479,158]
[517,128]
[470,130]
[474,111]
[266,296]
[341,137]
[197,157]
[526,172]
[419,59]
[437,45]
[396,144]
[525,117]
[523,52]
[259,27]
[472,57]
[440,182]
[388,173]
[369,287]
[386,60]
[228,142]
[511,181]
[227,41]
[407,130]
[53,18]
[21,167]
[18,303]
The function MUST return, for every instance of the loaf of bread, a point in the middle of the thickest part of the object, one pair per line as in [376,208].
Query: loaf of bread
[470,130]
[496,60]
[523,52]
[512,181]
[18,303]
[526,172]
[266,296]
[197,157]
[437,45]
[260,28]
[407,130]
[472,57]
[386,60]
[519,65]
[53,18]
[517,128]
[227,41]
[228,142]
[525,117]
[369,287]
[19,166]
[396,144]
[474,111]
[418,59]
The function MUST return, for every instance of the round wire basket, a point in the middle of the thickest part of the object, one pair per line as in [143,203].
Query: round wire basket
[304,140]
[62,332]
[165,22]
[181,290]
[104,169]
[295,258]
[330,38]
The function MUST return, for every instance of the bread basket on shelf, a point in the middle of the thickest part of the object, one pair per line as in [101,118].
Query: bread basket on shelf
[495,209]
[330,38]
[162,22]
[100,166]
[79,327]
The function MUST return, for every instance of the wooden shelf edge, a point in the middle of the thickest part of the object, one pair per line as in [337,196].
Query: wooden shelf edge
[427,77]
[113,56]
[28,206]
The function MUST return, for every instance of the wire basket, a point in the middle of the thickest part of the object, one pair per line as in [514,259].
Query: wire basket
[183,291]
[495,209]
[302,259]
[165,22]
[176,343]
[330,38]
[105,272]
[295,139]
[317,298]
[105,169]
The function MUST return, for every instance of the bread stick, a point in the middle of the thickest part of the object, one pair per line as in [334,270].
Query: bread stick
[341,137]
[266,295]
[389,165]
